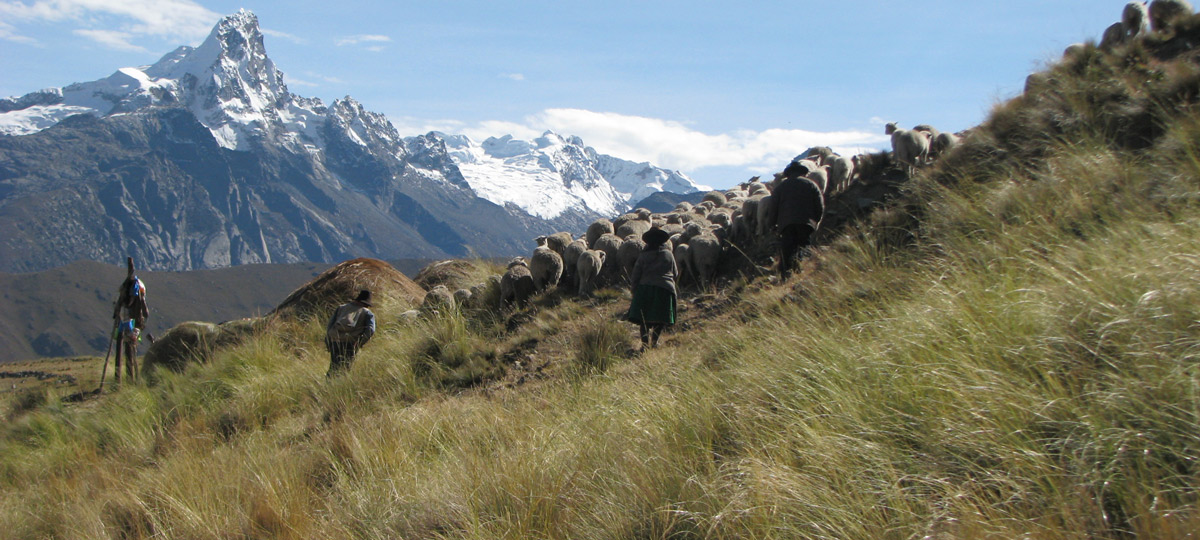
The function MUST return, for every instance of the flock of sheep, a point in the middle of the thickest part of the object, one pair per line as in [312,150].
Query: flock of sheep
[731,221]
[1138,19]
[736,220]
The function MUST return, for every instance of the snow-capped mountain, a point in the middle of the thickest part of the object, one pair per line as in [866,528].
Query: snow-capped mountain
[206,159]
[552,174]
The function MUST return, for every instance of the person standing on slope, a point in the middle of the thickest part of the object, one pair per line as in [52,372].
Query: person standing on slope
[129,320]
[350,327]
[798,207]
[653,283]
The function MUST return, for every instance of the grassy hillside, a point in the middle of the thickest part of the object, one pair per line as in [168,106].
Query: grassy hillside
[67,310]
[1008,350]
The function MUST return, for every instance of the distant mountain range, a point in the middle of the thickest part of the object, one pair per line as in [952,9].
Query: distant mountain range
[206,160]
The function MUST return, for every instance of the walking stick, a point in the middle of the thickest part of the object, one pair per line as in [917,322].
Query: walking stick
[104,370]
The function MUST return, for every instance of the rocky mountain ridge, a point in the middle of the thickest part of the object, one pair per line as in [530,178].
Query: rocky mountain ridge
[205,159]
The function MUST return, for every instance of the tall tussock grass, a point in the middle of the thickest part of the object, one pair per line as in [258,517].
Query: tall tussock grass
[1009,350]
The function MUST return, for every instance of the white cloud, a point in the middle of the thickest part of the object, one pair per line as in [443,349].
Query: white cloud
[112,39]
[665,143]
[116,23]
[292,81]
[674,145]
[283,35]
[513,76]
[363,38]
[315,75]
[374,48]
[8,33]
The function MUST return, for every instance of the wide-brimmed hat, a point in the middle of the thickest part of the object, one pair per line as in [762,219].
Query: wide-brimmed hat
[796,169]
[364,298]
[655,237]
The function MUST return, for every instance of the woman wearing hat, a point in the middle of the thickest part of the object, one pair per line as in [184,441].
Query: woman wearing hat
[653,284]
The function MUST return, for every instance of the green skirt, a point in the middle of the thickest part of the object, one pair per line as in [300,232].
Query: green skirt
[652,304]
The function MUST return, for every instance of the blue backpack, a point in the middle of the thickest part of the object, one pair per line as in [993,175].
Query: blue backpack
[137,291]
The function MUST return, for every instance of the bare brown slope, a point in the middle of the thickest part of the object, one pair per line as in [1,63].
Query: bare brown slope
[342,282]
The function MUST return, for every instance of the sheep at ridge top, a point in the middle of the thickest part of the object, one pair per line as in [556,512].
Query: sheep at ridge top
[1164,12]
[942,144]
[910,146]
[841,172]
[1135,19]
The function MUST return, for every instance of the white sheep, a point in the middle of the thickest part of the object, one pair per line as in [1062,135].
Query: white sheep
[841,172]
[627,254]
[588,268]
[942,144]
[1113,35]
[570,254]
[909,146]
[750,214]
[546,267]
[717,198]
[462,297]
[559,241]
[438,298]
[683,260]
[820,176]
[704,252]
[610,244]
[1164,12]
[623,219]
[597,229]
[636,227]
[927,129]
[692,230]
[766,216]
[672,228]
[516,286]
[722,217]
[816,154]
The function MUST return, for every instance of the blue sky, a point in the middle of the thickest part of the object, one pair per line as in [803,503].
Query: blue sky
[719,90]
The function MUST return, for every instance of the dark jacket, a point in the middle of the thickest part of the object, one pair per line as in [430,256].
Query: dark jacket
[134,308]
[797,201]
[364,325]
[655,267]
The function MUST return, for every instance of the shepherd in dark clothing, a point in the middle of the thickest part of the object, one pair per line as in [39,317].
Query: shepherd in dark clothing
[129,320]
[350,327]
[653,283]
[797,208]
